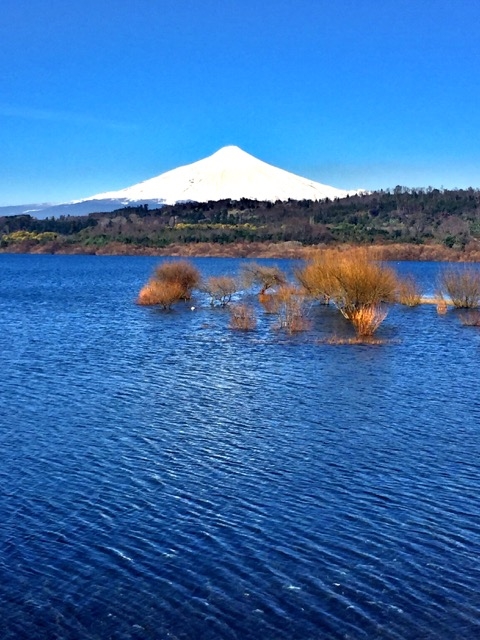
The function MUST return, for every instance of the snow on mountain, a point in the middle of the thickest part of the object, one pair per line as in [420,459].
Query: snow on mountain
[230,173]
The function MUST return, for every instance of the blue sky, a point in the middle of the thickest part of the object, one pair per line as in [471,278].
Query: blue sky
[98,95]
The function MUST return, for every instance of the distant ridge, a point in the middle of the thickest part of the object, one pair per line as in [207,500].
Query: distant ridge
[229,173]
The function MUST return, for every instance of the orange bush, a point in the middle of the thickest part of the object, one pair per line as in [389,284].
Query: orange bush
[181,272]
[463,286]
[269,302]
[408,292]
[242,317]
[266,277]
[471,319]
[366,320]
[163,294]
[356,284]
[220,289]
[317,276]
[290,306]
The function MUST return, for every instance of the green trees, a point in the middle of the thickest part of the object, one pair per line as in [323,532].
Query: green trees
[444,223]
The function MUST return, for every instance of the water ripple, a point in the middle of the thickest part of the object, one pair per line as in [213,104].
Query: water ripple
[162,477]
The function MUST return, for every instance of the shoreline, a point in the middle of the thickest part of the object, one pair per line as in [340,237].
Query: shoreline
[285,250]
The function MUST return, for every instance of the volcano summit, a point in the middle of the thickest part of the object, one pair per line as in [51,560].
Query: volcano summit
[230,173]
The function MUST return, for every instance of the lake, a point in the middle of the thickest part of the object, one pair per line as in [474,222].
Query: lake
[165,477]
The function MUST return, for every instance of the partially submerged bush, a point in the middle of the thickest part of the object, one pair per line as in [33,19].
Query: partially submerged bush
[359,282]
[462,286]
[350,279]
[409,292]
[242,317]
[181,272]
[290,307]
[442,306]
[361,340]
[163,294]
[220,289]
[170,282]
[366,320]
[269,302]
[471,319]
[317,276]
[266,277]
[354,283]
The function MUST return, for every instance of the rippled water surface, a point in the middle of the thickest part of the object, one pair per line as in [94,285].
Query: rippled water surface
[164,477]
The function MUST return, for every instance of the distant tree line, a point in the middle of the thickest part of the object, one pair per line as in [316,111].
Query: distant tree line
[445,217]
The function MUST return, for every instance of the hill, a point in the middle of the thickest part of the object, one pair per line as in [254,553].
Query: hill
[441,219]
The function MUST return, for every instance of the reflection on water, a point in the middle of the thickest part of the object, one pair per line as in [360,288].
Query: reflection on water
[163,477]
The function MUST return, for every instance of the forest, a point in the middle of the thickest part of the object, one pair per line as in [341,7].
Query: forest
[448,219]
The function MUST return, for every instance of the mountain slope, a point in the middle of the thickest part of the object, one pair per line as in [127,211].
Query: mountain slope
[230,173]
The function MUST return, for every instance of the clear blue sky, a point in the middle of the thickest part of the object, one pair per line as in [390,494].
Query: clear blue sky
[97,95]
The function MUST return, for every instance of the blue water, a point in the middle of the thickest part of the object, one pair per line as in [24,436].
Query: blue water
[164,477]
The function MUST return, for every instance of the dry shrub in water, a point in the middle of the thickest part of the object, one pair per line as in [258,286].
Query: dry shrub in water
[146,295]
[442,306]
[220,289]
[355,284]
[409,292]
[471,319]
[181,272]
[290,305]
[163,294]
[242,317]
[350,279]
[269,302]
[336,340]
[361,282]
[366,320]
[317,277]
[463,287]
[266,277]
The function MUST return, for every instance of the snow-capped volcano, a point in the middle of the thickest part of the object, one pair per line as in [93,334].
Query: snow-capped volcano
[228,173]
